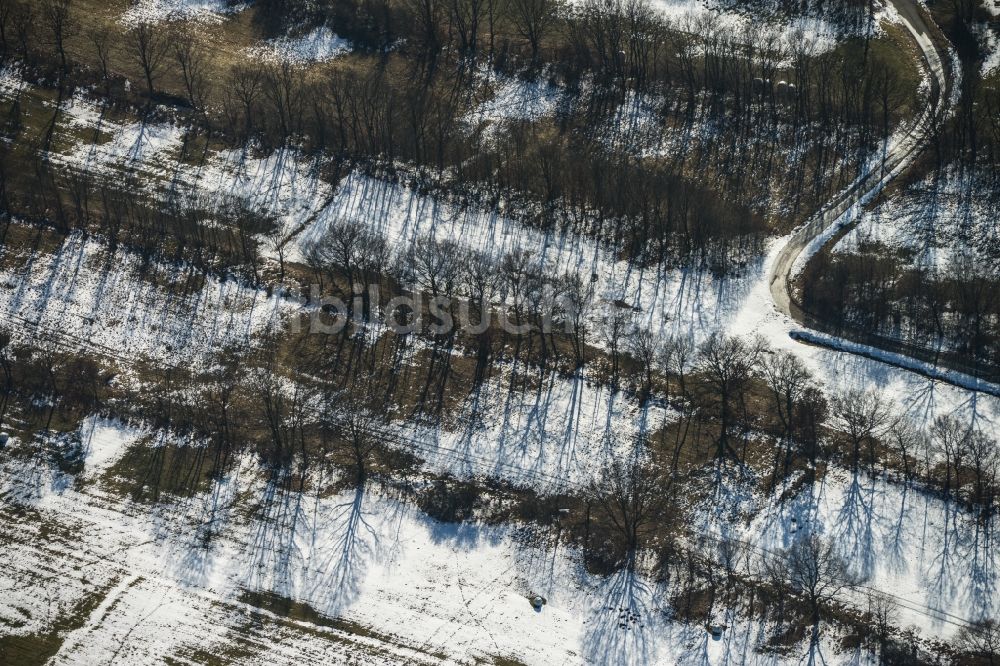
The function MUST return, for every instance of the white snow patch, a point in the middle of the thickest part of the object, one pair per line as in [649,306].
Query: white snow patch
[158,11]
[11,81]
[84,296]
[939,222]
[104,442]
[684,301]
[280,184]
[990,45]
[928,554]
[515,99]
[316,45]
[698,15]
[550,439]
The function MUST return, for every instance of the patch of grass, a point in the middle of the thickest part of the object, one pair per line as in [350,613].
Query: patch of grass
[68,136]
[32,649]
[147,472]
[303,612]
[507,661]
[234,651]
[21,241]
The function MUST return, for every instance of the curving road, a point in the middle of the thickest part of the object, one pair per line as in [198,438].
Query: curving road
[842,211]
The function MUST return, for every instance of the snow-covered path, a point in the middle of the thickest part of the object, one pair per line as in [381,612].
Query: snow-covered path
[846,209]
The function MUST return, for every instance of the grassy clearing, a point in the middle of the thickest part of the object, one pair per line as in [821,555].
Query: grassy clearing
[32,649]
[147,471]
[304,614]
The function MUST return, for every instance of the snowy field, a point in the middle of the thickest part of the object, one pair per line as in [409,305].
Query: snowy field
[82,295]
[174,578]
[930,556]
[553,439]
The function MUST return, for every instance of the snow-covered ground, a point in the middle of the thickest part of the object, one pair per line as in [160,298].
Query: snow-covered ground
[513,98]
[917,396]
[171,579]
[686,301]
[104,441]
[931,556]
[936,222]
[552,439]
[281,185]
[85,296]
[676,301]
[682,302]
[990,44]
[668,301]
[819,30]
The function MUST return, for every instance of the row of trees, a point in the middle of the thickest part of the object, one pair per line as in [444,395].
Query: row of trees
[951,308]
[728,372]
[620,32]
[331,413]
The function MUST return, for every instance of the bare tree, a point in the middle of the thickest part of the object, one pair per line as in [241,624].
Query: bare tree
[615,326]
[882,615]
[984,462]
[466,16]
[355,419]
[533,19]
[676,356]
[516,269]
[6,13]
[728,364]
[103,50]
[283,88]
[191,62]
[7,367]
[863,416]
[479,279]
[284,408]
[243,92]
[22,20]
[788,380]
[908,442]
[575,298]
[644,348]
[481,284]
[981,640]
[427,22]
[150,47]
[351,256]
[632,497]
[949,437]
[435,265]
[61,25]
[814,570]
